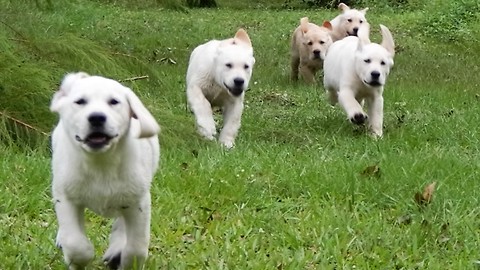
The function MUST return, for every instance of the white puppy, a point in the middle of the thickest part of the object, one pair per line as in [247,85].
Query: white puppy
[218,75]
[348,22]
[356,70]
[105,154]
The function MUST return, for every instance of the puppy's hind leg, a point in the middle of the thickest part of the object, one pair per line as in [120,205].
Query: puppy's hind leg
[118,239]
[332,96]
[308,74]
[232,114]
[137,231]
[202,109]
[295,62]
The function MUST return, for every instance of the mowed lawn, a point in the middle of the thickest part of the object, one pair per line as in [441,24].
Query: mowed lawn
[302,189]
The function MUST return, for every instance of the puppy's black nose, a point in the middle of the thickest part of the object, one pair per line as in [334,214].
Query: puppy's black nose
[375,75]
[355,31]
[316,53]
[97,119]
[238,82]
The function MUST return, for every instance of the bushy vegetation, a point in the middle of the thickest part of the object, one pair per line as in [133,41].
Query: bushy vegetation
[451,21]
[303,189]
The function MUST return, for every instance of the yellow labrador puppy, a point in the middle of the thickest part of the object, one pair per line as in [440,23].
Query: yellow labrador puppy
[105,154]
[309,46]
[356,70]
[348,22]
[218,75]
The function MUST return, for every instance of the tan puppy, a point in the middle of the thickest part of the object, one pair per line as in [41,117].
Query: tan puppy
[355,72]
[309,46]
[348,22]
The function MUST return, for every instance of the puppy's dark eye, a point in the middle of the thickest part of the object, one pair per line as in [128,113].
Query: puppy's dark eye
[113,101]
[349,20]
[361,21]
[310,43]
[382,63]
[228,65]
[246,66]
[322,42]
[367,61]
[81,101]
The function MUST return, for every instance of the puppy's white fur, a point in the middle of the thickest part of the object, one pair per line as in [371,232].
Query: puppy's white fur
[356,70]
[218,75]
[309,46]
[348,22]
[105,154]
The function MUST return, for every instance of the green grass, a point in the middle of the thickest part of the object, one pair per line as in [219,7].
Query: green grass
[291,194]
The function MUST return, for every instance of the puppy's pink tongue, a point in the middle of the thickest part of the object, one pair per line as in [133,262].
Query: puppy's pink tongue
[97,138]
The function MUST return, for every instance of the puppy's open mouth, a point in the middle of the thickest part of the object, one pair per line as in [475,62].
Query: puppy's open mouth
[373,83]
[236,91]
[96,140]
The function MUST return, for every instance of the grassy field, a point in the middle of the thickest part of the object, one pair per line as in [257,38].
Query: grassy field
[295,192]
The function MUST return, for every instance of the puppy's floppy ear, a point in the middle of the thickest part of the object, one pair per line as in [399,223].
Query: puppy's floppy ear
[343,7]
[148,125]
[387,40]
[304,24]
[327,25]
[65,88]
[242,36]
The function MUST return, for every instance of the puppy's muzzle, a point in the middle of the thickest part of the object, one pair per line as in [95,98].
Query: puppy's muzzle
[238,85]
[97,138]
[354,32]
[374,79]
[316,54]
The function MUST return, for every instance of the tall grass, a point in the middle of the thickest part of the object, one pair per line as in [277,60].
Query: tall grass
[293,194]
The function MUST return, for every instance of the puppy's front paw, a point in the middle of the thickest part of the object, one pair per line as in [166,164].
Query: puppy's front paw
[376,134]
[207,133]
[359,118]
[227,143]
[113,260]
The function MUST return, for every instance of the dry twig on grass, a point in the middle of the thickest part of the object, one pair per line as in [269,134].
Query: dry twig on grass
[17,121]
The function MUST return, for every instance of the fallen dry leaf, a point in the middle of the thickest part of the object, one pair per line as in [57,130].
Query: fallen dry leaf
[427,195]
[428,192]
[404,220]
[372,170]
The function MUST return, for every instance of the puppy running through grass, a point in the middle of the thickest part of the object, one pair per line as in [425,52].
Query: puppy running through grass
[309,46]
[348,22]
[218,75]
[356,70]
[105,154]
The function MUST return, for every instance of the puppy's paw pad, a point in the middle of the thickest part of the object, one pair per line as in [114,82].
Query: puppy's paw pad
[113,262]
[359,118]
